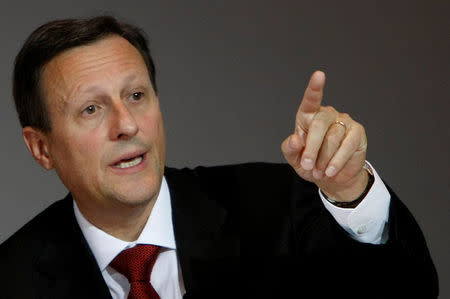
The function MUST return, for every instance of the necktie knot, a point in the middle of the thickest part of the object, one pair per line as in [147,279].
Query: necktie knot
[136,265]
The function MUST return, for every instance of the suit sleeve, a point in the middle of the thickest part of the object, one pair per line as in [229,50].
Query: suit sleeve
[367,222]
[336,263]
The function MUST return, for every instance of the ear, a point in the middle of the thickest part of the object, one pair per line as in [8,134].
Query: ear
[37,144]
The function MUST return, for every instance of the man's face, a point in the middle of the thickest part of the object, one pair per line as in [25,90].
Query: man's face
[107,142]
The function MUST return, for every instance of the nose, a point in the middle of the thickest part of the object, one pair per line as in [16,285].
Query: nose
[123,124]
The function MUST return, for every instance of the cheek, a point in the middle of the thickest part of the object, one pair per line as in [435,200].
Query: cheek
[152,126]
[79,154]
[90,149]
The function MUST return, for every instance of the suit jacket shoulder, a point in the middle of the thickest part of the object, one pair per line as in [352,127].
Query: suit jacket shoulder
[49,258]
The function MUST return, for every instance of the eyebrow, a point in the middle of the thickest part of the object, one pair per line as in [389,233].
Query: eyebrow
[97,89]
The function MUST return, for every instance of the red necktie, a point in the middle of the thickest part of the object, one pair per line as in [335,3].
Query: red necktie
[136,264]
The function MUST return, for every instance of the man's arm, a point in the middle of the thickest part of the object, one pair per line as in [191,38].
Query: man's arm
[329,148]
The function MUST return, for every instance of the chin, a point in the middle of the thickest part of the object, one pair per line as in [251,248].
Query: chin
[135,190]
[137,195]
[134,201]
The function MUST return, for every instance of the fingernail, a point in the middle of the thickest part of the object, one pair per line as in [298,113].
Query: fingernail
[317,174]
[307,164]
[331,171]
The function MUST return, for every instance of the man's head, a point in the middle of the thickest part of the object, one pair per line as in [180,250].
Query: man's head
[53,38]
[86,97]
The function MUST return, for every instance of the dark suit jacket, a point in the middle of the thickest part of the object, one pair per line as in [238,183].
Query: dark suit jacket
[242,231]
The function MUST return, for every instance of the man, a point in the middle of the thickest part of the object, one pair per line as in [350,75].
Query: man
[86,95]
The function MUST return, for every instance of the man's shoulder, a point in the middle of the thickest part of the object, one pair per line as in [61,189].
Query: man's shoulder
[234,166]
[42,227]
[242,173]
[246,184]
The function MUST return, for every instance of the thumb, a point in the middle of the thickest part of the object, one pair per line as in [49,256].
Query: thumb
[292,148]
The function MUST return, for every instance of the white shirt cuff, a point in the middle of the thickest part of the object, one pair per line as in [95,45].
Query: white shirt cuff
[365,223]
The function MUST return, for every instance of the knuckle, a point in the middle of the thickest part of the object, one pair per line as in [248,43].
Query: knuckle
[353,143]
[345,115]
[332,140]
[330,109]
[363,130]
[319,114]
[323,115]
[325,108]
[359,128]
[318,124]
[327,112]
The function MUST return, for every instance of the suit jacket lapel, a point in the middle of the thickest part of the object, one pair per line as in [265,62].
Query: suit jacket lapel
[208,254]
[66,267]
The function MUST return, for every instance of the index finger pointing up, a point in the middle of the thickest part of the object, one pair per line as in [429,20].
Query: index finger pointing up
[313,94]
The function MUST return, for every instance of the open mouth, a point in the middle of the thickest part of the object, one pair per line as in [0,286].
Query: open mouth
[127,163]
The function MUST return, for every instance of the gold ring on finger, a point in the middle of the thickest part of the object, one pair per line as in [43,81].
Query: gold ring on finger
[341,123]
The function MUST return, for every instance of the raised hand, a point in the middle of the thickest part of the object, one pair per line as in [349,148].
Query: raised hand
[327,147]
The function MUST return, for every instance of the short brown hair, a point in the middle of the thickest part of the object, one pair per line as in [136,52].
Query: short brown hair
[53,38]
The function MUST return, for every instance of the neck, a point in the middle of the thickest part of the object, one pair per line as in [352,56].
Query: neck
[122,221]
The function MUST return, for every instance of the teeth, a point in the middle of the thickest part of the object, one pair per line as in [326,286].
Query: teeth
[131,163]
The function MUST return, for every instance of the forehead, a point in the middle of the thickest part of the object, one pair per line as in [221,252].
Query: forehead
[95,63]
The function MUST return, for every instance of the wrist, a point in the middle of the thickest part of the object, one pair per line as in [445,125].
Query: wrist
[351,196]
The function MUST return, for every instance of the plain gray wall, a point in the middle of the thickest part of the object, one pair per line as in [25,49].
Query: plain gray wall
[231,75]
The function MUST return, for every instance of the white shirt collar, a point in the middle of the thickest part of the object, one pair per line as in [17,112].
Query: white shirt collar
[157,231]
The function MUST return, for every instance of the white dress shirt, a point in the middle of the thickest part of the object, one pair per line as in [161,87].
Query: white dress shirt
[365,223]
[166,276]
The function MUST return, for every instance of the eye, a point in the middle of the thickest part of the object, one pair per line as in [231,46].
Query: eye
[136,96]
[91,109]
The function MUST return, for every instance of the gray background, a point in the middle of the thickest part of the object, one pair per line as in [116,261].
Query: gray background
[231,75]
